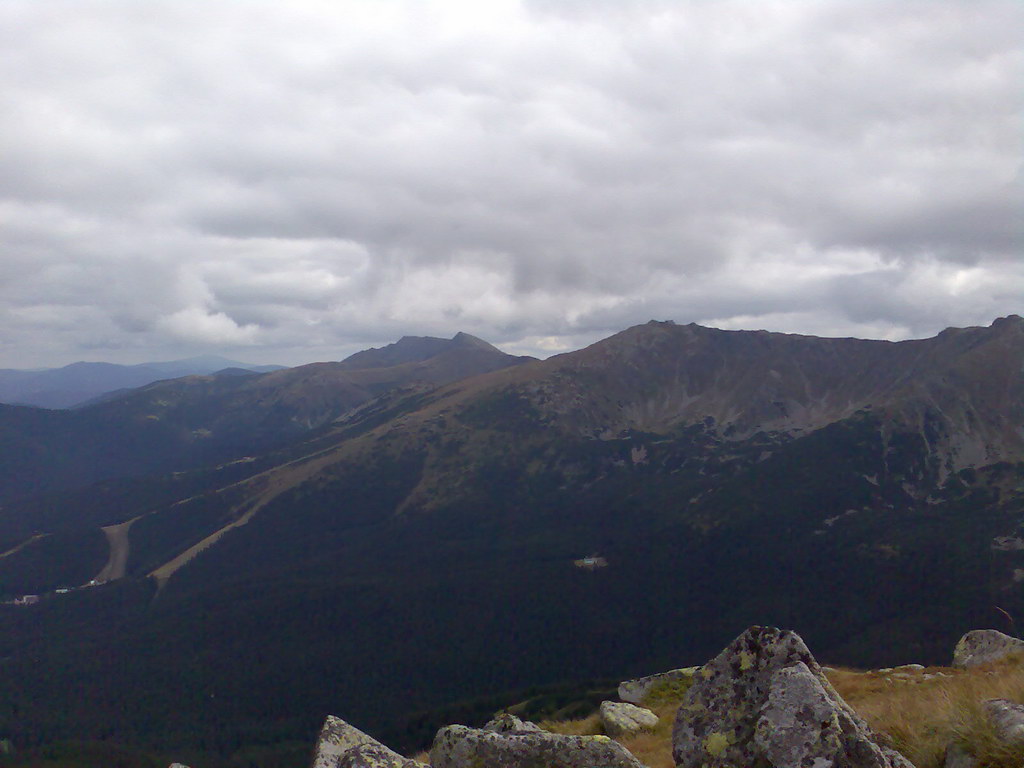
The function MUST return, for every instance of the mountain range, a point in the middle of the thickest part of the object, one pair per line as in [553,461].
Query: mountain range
[79,383]
[403,529]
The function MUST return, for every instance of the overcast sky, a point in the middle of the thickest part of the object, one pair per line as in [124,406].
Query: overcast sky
[294,181]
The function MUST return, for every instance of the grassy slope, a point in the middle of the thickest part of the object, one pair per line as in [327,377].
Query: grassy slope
[917,714]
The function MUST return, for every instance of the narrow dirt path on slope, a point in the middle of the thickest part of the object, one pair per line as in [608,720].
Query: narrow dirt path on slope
[275,487]
[117,538]
[23,544]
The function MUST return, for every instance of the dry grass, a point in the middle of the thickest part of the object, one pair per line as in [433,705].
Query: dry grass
[917,712]
[920,717]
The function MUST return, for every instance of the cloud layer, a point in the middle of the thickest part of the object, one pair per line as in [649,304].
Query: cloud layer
[294,181]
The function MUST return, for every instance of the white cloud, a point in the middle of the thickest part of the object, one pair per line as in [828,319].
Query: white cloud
[301,180]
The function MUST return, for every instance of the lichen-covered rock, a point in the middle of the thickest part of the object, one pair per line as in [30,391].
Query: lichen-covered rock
[338,739]
[764,701]
[1007,719]
[621,719]
[374,756]
[460,747]
[674,681]
[505,722]
[982,646]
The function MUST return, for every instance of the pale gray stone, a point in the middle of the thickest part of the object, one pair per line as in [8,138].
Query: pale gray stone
[338,738]
[983,646]
[958,757]
[374,756]
[635,691]
[621,719]
[460,747]
[505,722]
[1007,719]
[765,701]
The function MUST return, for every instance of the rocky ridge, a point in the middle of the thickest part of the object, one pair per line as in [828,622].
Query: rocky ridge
[763,701]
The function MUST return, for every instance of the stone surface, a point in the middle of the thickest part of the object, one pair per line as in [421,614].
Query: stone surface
[177,765]
[374,756]
[635,691]
[338,739]
[958,757]
[982,646]
[765,701]
[505,722]
[1007,719]
[460,747]
[621,719]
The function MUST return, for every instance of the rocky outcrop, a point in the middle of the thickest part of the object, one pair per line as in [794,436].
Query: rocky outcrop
[983,646]
[674,682]
[958,757]
[621,719]
[375,756]
[460,747]
[1007,719]
[505,722]
[341,745]
[765,701]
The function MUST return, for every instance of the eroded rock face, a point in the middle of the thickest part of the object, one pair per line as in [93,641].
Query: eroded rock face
[764,701]
[958,757]
[457,746]
[508,723]
[635,691]
[1007,719]
[374,756]
[340,745]
[983,646]
[621,719]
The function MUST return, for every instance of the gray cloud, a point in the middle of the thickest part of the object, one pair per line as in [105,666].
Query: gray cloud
[294,182]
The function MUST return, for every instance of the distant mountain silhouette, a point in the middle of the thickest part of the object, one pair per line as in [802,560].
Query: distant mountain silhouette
[78,383]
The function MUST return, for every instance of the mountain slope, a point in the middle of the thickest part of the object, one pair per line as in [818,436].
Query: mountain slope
[421,548]
[200,420]
[78,383]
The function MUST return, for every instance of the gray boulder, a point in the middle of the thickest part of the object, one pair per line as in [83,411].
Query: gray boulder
[983,646]
[958,757]
[1007,719]
[505,722]
[765,701]
[621,719]
[460,747]
[339,745]
[674,681]
[374,756]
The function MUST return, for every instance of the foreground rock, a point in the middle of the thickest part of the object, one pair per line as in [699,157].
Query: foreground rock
[505,722]
[374,756]
[674,682]
[764,701]
[341,745]
[983,646]
[621,719]
[1007,719]
[460,747]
